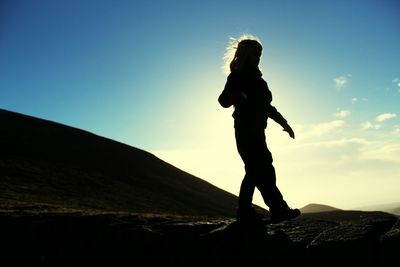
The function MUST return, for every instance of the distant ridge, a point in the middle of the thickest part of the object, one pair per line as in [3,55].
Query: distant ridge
[47,165]
[312,208]
[393,207]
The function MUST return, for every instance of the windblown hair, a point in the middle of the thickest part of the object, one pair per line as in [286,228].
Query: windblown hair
[238,51]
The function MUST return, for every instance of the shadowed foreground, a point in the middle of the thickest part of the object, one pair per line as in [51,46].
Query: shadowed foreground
[345,238]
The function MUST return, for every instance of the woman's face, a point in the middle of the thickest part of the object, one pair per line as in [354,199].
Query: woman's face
[254,58]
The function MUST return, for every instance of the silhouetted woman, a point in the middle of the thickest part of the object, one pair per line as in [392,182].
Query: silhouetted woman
[248,92]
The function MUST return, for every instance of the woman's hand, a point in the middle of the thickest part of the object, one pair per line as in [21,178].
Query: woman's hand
[289,130]
[234,98]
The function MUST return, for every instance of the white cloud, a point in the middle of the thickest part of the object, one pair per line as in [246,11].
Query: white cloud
[380,118]
[384,151]
[396,81]
[354,100]
[341,142]
[368,125]
[340,113]
[342,81]
[323,128]
[385,116]
[396,130]
[320,129]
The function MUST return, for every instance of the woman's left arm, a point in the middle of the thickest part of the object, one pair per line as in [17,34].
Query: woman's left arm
[277,117]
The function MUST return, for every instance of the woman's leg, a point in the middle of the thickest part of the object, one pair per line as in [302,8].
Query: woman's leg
[246,193]
[248,185]
[260,172]
[266,184]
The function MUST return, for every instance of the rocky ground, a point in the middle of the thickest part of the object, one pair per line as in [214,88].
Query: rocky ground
[340,238]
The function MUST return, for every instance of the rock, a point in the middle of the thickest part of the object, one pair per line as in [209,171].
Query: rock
[350,243]
[390,245]
[76,239]
[243,245]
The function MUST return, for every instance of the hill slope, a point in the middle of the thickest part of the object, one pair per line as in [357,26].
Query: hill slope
[312,208]
[49,165]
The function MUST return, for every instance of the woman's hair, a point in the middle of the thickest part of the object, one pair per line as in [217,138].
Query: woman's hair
[238,52]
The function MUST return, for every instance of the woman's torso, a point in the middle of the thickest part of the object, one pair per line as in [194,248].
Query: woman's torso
[253,112]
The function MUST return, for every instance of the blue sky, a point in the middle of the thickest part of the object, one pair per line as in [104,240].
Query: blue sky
[148,73]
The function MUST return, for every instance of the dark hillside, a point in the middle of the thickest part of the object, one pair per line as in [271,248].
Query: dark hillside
[46,165]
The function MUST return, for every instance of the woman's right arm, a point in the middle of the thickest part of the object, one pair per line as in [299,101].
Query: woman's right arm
[231,95]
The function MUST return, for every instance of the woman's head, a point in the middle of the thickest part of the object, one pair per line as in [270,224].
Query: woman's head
[244,54]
